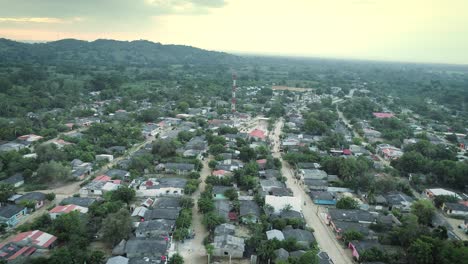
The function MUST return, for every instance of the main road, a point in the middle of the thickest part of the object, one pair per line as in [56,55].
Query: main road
[325,238]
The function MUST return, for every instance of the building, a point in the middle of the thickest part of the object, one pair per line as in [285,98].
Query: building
[16,180]
[249,211]
[279,203]
[12,214]
[432,193]
[179,168]
[36,238]
[99,186]
[455,209]
[303,237]
[257,134]
[154,247]
[228,246]
[80,201]
[155,228]
[160,187]
[37,197]
[275,234]
[65,209]
[323,198]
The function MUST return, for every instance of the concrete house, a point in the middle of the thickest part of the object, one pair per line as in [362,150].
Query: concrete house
[455,209]
[16,180]
[218,192]
[162,213]
[140,248]
[36,239]
[80,201]
[160,187]
[226,244]
[65,209]
[303,237]
[356,216]
[249,211]
[118,174]
[179,168]
[323,198]
[155,228]
[12,214]
[38,198]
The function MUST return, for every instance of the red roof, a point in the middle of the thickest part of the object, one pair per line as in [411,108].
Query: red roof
[232,216]
[257,133]
[219,172]
[346,152]
[63,208]
[149,183]
[26,251]
[102,178]
[36,237]
[383,115]
[262,161]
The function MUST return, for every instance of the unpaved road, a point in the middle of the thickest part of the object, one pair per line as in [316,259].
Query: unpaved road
[193,250]
[325,238]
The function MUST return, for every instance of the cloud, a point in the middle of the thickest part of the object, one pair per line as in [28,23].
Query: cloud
[46,20]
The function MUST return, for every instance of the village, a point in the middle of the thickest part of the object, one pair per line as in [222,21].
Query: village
[295,179]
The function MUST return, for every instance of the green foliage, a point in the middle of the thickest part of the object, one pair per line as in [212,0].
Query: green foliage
[247,154]
[424,210]
[216,149]
[347,203]
[212,164]
[176,259]
[53,171]
[439,200]
[123,194]
[116,226]
[164,148]
[6,191]
[231,194]
[191,186]
[50,196]
[211,220]
[351,235]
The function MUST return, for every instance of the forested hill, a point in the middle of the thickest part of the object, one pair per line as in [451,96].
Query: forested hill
[109,52]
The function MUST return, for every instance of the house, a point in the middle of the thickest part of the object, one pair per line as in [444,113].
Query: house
[150,129]
[221,173]
[36,239]
[340,227]
[179,168]
[118,174]
[399,200]
[432,193]
[162,213]
[279,203]
[218,192]
[139,213]
[325,259]
[99,187]
[11,251]
[249,211]
[281,255]
[160,187]
[29,138]
[228,246]
[12,214]
[323,198]
[38,198]
[303,237]
[257,134]
[153,247]
[60,143]
[383,115]
[222,208]
[262,163]
[65,209]
[268,185]
[11,146]
[312,174]
[155,228]
[389,152]
[104,157]
[16,180]
[167,202]
[358,247]
[117,260]
[354,215]
[455,209]
[316,185]
[275,234]
[270,174]
[80,201]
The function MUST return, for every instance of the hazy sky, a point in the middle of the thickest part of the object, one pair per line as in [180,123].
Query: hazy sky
[402,30]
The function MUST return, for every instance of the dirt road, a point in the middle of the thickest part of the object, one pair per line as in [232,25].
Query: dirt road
[193,250]
[325,238]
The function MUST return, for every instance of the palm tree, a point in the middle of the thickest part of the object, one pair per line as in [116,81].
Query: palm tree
[265,251]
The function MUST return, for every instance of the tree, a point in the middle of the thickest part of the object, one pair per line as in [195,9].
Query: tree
[205,204]
[6,191]
[231,194]
[439,200]
[96,257]
[53,171]
[347,203]
[265,251]
[116,226]
[420,252]
[351,235]
[310,257]
[247,154]
[424,210]
[164,148]
[176,259]
[124,194]
[212,164]
[50,196]
[216,149]
[212,220]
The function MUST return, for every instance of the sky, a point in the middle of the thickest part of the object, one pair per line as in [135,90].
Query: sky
[396,30]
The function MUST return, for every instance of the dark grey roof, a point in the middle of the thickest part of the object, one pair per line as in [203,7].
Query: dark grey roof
[346,226]
[322,195]
[324,258]
[281,254]
[281,192]
[180,166]
[10,210]
[117,173]
[167,202]
[288,214]
[222,207]
[154,225]
[397,198]
[248,207]
[306,165]
[300,235]
[146,247]
[162,213]
[81,201]
[225,229]
[171,182]
[351,215]
[146,260]
[13,179]
[456,207]
[365,245]
[34,196]
[310,182]
[272,173]
[217,189]
[297,253]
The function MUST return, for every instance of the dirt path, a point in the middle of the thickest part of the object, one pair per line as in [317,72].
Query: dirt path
[193,250]
[325,238]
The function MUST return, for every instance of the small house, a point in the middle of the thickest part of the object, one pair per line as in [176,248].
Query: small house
[12,214]
[455,209]
[37,197]
[65,209]
[249,211]
[16,180]
[179,168]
